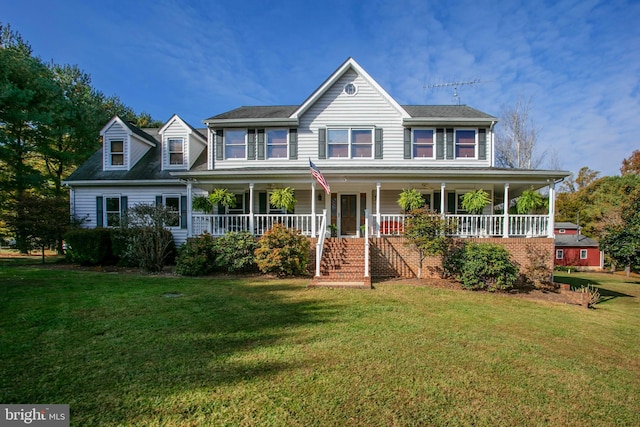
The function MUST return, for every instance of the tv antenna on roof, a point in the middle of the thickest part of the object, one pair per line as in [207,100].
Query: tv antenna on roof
[455,85]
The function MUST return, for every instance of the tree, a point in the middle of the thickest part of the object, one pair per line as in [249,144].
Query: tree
[621,239]
[428,231]
[631,164]
[585,177]
[517,137]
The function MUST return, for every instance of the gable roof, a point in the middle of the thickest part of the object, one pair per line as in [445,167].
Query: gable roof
[132,130]
[566,240]
[349,64]
[192,130]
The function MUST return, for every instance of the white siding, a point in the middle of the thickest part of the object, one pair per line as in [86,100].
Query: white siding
[173,131]
[85,202]
[115,132]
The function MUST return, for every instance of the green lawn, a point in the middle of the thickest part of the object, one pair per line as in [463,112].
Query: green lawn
[259,352]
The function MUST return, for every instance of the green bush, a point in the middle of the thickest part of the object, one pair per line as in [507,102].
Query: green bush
[197,256]
[483,266]
[236,252]
[90,246]
[282,251]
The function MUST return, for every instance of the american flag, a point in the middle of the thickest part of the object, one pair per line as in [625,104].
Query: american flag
[318,176]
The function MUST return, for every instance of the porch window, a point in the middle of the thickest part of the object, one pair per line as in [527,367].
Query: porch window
[583,254]
[173,203]
[350,143]
[559,253]
[235,144]
[423,141]
[465,144]
[239,207]
[112,211]
[116,150]
[277,144]
[176,151]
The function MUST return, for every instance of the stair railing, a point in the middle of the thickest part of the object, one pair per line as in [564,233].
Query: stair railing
[320,243]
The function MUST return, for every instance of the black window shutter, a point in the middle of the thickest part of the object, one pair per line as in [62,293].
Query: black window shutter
[262,202]
[451,202]
[124,202]
[407,143]
[158,200]
[183,212]
[449,143]
[440,144]
[293,144]
[219,147]
[378,144]
[322,143]
[482,144]
[251,144]
[260,144]
[99,212]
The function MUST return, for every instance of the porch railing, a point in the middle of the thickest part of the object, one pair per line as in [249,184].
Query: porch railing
[218,225]
[475,225]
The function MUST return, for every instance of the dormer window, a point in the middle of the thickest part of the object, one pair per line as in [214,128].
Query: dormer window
[116,149]
[176,151]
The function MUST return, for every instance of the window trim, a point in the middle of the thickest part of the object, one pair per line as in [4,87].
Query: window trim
[164,203]
[169,152]
[350,143]
[586,253]
[267,145]
[111,153]
[559,253]
[455,143]
[225,136]
[105,211]
[562,231]
[433,143]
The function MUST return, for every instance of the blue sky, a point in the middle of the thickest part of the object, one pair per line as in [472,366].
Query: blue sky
[578,60]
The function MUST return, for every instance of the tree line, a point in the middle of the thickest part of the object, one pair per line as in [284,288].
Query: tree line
[50,118]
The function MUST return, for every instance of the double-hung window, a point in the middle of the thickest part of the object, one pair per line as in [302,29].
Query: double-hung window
[277,143]
[176,151]
[423,143]
[116,152]
[559,253]
[349,143]
[465,144]
[583,254]
[173,203]
[235,144]
[112,211]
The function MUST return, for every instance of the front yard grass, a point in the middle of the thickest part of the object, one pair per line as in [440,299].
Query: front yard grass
[124,349]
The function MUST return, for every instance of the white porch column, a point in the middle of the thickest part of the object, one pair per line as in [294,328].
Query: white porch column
[313,209]
[505,229]
[251,218]
[443,187]
[552,209]
[378,217]
[189,209]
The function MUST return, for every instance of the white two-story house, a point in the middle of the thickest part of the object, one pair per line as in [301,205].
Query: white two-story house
[367,146]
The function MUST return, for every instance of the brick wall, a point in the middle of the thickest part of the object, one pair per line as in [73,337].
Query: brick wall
[394,257]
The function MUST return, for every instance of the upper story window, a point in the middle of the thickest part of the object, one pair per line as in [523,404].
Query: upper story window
[176,151]
[235,144]
[465,141]
[349,143]
[116,150]
[423,141]
[277,143]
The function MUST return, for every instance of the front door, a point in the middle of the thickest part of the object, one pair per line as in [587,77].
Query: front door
[348,214]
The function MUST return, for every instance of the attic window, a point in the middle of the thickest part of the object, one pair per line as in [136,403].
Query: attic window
[350,89]
[117,152]
[176,155]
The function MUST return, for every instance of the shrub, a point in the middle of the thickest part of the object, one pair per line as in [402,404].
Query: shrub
[197,256]
[235,252]
[282,251]
[482,266]
[591,293]
[89,246]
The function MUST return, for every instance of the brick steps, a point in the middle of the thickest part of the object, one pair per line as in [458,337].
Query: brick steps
[342,264]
